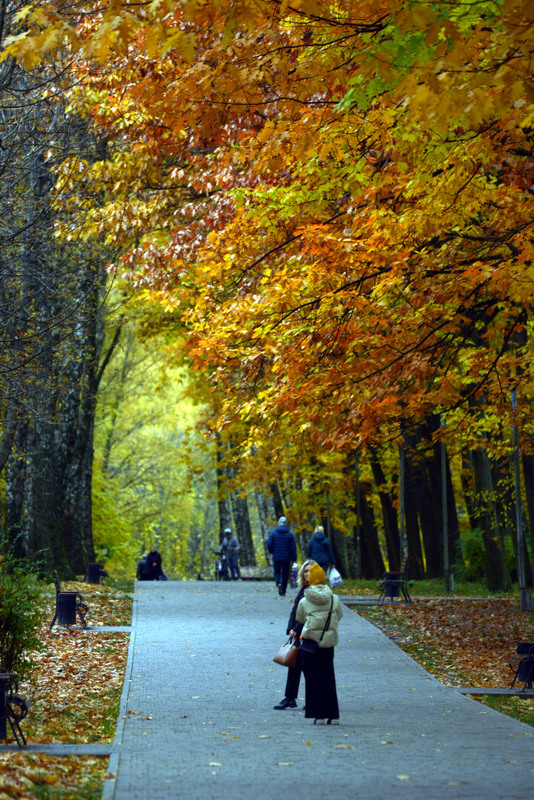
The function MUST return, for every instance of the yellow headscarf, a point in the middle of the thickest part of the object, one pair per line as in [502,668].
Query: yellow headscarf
[316,575]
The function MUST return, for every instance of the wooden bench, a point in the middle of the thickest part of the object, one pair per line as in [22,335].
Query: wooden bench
[522,665]
[68,600]
[393,584]
[256,573]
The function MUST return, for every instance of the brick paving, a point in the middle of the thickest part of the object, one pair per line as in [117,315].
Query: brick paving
[197,719]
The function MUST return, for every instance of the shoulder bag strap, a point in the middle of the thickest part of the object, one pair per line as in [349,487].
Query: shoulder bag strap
[327,623]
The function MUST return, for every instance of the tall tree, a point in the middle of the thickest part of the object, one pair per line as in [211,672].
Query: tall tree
[337,200]
[51,322]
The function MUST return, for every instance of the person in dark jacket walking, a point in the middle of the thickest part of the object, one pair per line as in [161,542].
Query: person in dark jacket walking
[320,550]
[142,568]
[281,543]
[154,564]
[294,629]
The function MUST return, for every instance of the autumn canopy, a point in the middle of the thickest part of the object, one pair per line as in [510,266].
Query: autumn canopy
[332,202]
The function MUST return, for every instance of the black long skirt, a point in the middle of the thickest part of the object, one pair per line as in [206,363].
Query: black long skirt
[321,693]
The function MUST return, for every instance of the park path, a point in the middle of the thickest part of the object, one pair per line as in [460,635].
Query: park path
[197,719]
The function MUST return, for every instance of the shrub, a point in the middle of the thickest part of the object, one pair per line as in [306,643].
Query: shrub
[474,557]
[20,613]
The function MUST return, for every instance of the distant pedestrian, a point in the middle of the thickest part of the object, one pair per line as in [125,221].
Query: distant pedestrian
[154,564]
[319,611]
[293,630]
[230,545]
[281,543]
[142,568]
[320,549]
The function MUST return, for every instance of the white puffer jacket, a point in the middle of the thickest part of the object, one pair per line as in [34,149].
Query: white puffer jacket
[313,611]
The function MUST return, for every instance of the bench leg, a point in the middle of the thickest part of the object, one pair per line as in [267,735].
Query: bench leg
[16,729]
[406,593]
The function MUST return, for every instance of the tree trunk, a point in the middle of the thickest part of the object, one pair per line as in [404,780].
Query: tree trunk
[372,562]
[277,501]
[468,486]
[428,511]
[501,472]
[9,429]
[353,561]
[339,546]
[225,515]
[243,531]
[413,535]
[455,545]
[389,515]
[496,569]
[50,301]
[15,473]
[303,536]
[528,476]
[436,482]
[266,513]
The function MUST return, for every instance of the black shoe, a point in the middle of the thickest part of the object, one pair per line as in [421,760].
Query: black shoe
[285,703]
[280,590]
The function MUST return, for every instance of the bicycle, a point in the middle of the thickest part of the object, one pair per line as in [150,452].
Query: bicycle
[221,567]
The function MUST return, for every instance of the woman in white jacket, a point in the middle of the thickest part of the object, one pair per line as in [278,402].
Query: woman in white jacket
[320,611]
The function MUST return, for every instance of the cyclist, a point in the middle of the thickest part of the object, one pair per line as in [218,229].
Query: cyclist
[230,545]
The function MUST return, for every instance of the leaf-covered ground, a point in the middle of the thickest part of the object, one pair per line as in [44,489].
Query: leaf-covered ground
[75,695]
[462,641]
[26,776]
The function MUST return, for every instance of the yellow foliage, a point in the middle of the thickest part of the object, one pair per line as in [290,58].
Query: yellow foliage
[338,199]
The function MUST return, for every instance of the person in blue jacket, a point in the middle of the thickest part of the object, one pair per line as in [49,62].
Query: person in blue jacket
[281,543]
[320,550]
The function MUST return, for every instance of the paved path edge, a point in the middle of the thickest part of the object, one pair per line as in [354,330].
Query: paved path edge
[108,790]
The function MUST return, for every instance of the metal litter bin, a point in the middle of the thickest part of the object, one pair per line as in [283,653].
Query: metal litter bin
[94,572]
[66,608]
[392,589]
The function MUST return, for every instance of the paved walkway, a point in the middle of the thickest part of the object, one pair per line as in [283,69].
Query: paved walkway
[197,721]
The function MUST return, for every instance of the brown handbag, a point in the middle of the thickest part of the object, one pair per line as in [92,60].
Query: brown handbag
[287,655]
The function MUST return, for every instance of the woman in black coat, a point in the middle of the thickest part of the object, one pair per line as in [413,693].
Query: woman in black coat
[319,611]
[293,631]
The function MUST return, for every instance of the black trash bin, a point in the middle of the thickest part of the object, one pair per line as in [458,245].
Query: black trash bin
[66,608]
[392,589]
[95,571]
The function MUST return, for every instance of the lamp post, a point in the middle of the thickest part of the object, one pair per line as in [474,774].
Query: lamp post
[402,492]
[358,517]
[447,574]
